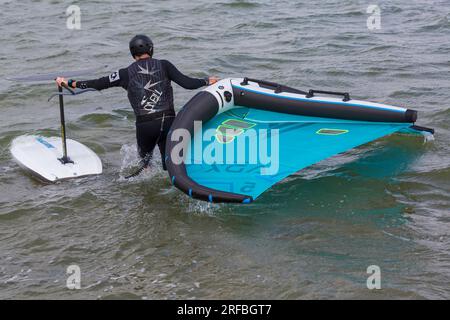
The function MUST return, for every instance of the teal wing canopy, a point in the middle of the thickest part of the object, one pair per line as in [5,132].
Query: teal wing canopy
[285,144]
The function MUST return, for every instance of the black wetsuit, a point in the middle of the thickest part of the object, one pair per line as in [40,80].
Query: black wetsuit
[150,93]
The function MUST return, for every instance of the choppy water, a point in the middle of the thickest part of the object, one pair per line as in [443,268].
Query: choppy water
[312,236]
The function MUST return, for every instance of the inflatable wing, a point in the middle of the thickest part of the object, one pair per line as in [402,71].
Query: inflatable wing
[237,138]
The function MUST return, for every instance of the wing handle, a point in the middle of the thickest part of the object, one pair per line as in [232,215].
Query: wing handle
[346,95]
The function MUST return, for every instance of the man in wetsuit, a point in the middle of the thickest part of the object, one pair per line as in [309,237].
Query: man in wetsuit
[148,82]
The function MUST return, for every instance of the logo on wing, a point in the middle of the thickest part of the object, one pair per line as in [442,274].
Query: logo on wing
[229,129]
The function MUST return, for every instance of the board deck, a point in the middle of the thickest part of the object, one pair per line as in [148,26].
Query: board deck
[40,155]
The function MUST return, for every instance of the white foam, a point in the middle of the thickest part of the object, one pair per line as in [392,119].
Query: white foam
[132,159]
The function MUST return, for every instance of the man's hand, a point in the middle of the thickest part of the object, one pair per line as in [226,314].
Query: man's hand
[212,80]
[62,82]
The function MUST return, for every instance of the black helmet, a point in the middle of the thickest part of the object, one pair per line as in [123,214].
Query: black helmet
[141,44]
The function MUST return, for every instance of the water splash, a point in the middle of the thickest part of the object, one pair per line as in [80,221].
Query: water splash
[197,207]
[131,161]
[428,137]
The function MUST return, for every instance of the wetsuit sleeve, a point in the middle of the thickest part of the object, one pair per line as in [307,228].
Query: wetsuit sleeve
[182,80]
[115,79]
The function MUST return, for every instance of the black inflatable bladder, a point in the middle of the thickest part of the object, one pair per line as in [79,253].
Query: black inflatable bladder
[202,107]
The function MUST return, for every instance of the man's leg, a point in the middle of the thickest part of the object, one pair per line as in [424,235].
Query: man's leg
[162,140]
[147,134]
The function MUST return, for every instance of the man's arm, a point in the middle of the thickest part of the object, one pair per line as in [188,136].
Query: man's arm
[184,81]
[115,79]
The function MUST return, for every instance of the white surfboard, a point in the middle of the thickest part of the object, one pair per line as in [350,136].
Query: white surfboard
[40,155]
